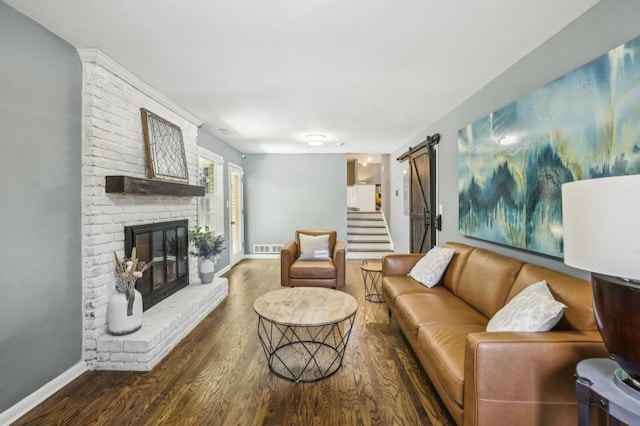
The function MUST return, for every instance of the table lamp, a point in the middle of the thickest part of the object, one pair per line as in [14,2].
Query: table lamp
[601,225]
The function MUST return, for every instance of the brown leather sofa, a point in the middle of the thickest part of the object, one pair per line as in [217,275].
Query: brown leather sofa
[312,273]
[500,378]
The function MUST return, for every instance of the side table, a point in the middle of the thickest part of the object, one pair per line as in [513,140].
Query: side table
[304,331]
[596,383]
[371,274]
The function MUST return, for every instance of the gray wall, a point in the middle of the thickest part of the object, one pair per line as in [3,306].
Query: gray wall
[40,207]
[608,24]
[288,192]
[209,141]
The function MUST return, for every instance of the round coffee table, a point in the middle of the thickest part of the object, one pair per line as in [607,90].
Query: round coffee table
[304,331]
[371,274]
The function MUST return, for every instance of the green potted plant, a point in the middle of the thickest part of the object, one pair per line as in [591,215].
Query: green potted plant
[207,246]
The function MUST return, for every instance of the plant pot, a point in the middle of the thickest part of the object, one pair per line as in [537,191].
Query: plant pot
[122,318]
[207,271]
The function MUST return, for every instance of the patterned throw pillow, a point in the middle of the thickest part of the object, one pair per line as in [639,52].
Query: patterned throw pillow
[314,247]
[533,309]
[430,268]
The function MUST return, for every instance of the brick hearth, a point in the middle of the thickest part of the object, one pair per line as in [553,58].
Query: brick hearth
[164,325]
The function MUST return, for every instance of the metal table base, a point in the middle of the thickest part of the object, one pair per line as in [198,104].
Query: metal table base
[371,274]
[304,353]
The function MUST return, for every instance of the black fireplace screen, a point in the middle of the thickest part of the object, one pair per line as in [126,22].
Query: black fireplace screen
[166,245]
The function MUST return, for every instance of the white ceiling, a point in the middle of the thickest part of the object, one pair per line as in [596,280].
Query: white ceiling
[367,73]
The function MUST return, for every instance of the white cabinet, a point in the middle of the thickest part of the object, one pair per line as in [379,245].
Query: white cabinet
[362,197]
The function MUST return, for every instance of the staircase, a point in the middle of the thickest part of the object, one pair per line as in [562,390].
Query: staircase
[367,235]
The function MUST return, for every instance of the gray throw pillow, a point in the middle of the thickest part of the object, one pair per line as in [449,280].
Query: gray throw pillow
[314,247]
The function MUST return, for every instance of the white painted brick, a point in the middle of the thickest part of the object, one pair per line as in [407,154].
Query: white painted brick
[110,344]
[98,302]
[123,357]
[113,144]
[135,366]
[103,356]
[89,334]
[118,366]
[136,346]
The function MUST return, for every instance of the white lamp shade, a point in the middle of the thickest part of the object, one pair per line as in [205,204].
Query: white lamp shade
[601,225]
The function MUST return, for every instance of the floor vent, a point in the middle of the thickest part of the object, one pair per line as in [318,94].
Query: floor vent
[267,248]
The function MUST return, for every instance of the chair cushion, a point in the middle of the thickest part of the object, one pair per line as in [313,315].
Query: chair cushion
[312,269]
[314,247]
[333,236]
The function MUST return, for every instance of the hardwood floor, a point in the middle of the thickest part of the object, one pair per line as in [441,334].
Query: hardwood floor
[218,375]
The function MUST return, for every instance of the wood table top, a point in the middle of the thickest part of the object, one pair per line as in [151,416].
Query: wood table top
[305,306]
[372,266]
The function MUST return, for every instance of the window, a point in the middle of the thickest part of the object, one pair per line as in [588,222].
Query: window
[211,206]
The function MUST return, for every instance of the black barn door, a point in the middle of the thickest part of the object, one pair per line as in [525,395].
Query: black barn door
[424,221]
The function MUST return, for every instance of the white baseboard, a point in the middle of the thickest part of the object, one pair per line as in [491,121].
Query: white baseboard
[12,414]
[262,256]
[223,271]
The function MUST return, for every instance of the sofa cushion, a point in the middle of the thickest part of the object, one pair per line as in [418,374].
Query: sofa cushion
[312,269]
[444,346]
[431,267]
[394,286]
[573,292]
[486,280]
[533,309]
[418,309]
[452,274]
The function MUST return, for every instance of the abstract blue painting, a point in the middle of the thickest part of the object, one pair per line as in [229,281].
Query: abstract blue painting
[512,162]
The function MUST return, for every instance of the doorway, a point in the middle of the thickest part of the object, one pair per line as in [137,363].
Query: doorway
[365,181]
[236,214]
[424,221]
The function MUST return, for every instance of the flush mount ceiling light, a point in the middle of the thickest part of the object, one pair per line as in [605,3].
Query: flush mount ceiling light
[316,140]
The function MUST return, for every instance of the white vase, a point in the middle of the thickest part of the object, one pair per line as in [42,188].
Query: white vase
[207,271]
[118,320]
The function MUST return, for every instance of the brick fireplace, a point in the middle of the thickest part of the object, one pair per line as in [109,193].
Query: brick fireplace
[113,145]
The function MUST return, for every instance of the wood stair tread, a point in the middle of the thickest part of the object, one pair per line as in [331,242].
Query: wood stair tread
[364,233]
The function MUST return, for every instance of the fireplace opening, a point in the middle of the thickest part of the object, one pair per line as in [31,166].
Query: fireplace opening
[165,244]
